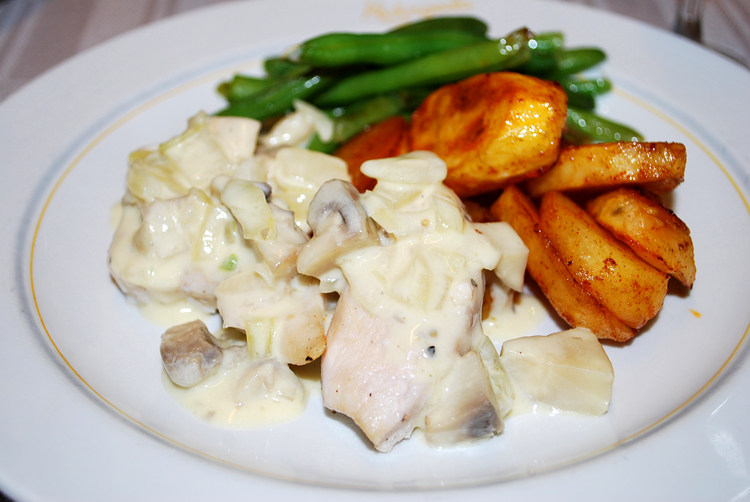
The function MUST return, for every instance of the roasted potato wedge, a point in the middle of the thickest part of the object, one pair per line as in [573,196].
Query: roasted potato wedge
[627,286]
[382,140]
[574,304]
[658,167]
[651,230]
[491,129]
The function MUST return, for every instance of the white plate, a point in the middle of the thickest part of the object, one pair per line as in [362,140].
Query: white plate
[84,415]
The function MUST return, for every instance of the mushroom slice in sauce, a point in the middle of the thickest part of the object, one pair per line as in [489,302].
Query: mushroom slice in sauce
[190,353]
[336,214]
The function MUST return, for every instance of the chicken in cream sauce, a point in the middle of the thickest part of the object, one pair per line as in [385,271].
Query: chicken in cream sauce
[386,288]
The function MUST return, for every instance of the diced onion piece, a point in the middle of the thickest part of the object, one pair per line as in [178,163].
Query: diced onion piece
[420,168]
[248,205]
[511,268]
[568,371]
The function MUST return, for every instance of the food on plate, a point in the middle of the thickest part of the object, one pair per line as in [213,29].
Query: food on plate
[433,69]
[405,348]
[199,209]
[491,129]
[545,266]
[568,370]
[361,79]
[627,286]
[340,49]
[653,232]
[585,126]
[382,140]
[658,167]
[190,353]
[282,317]
[383,286]
[212,221]
[381,261]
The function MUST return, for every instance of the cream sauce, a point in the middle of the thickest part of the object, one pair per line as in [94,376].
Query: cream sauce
[177,243]
[246,393]
[509,316]
[178,313]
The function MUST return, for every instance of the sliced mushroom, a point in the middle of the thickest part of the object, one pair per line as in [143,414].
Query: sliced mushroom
[337,197]
[339,224]
[265,188]
[190,353]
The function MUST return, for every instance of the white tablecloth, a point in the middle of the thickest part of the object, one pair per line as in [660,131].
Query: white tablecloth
[35,35]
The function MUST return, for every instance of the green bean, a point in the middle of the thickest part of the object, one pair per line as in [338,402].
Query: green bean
[351,120]
[542,49]
[243,86]
[433,69]
[318,145]
[598,129]
[588,87]
[341,49]
[279,98]
[285,68]
[572,61]
[582,101]
[547,42]
[358,116]
[462,23]
[583,93]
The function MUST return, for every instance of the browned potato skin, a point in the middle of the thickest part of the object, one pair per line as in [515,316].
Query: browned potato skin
[658,167]
[384,139]
[651,230]
[491,130]
[627,286]
[574,305]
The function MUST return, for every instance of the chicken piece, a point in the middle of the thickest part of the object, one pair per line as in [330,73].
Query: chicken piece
[491,129]
[405,347]
[280,253]
[391,375]
[172,251]
[381,394]
[282,319]
[468,407]
[281,312]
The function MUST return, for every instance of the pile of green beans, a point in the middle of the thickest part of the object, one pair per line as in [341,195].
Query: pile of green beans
[359,79]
